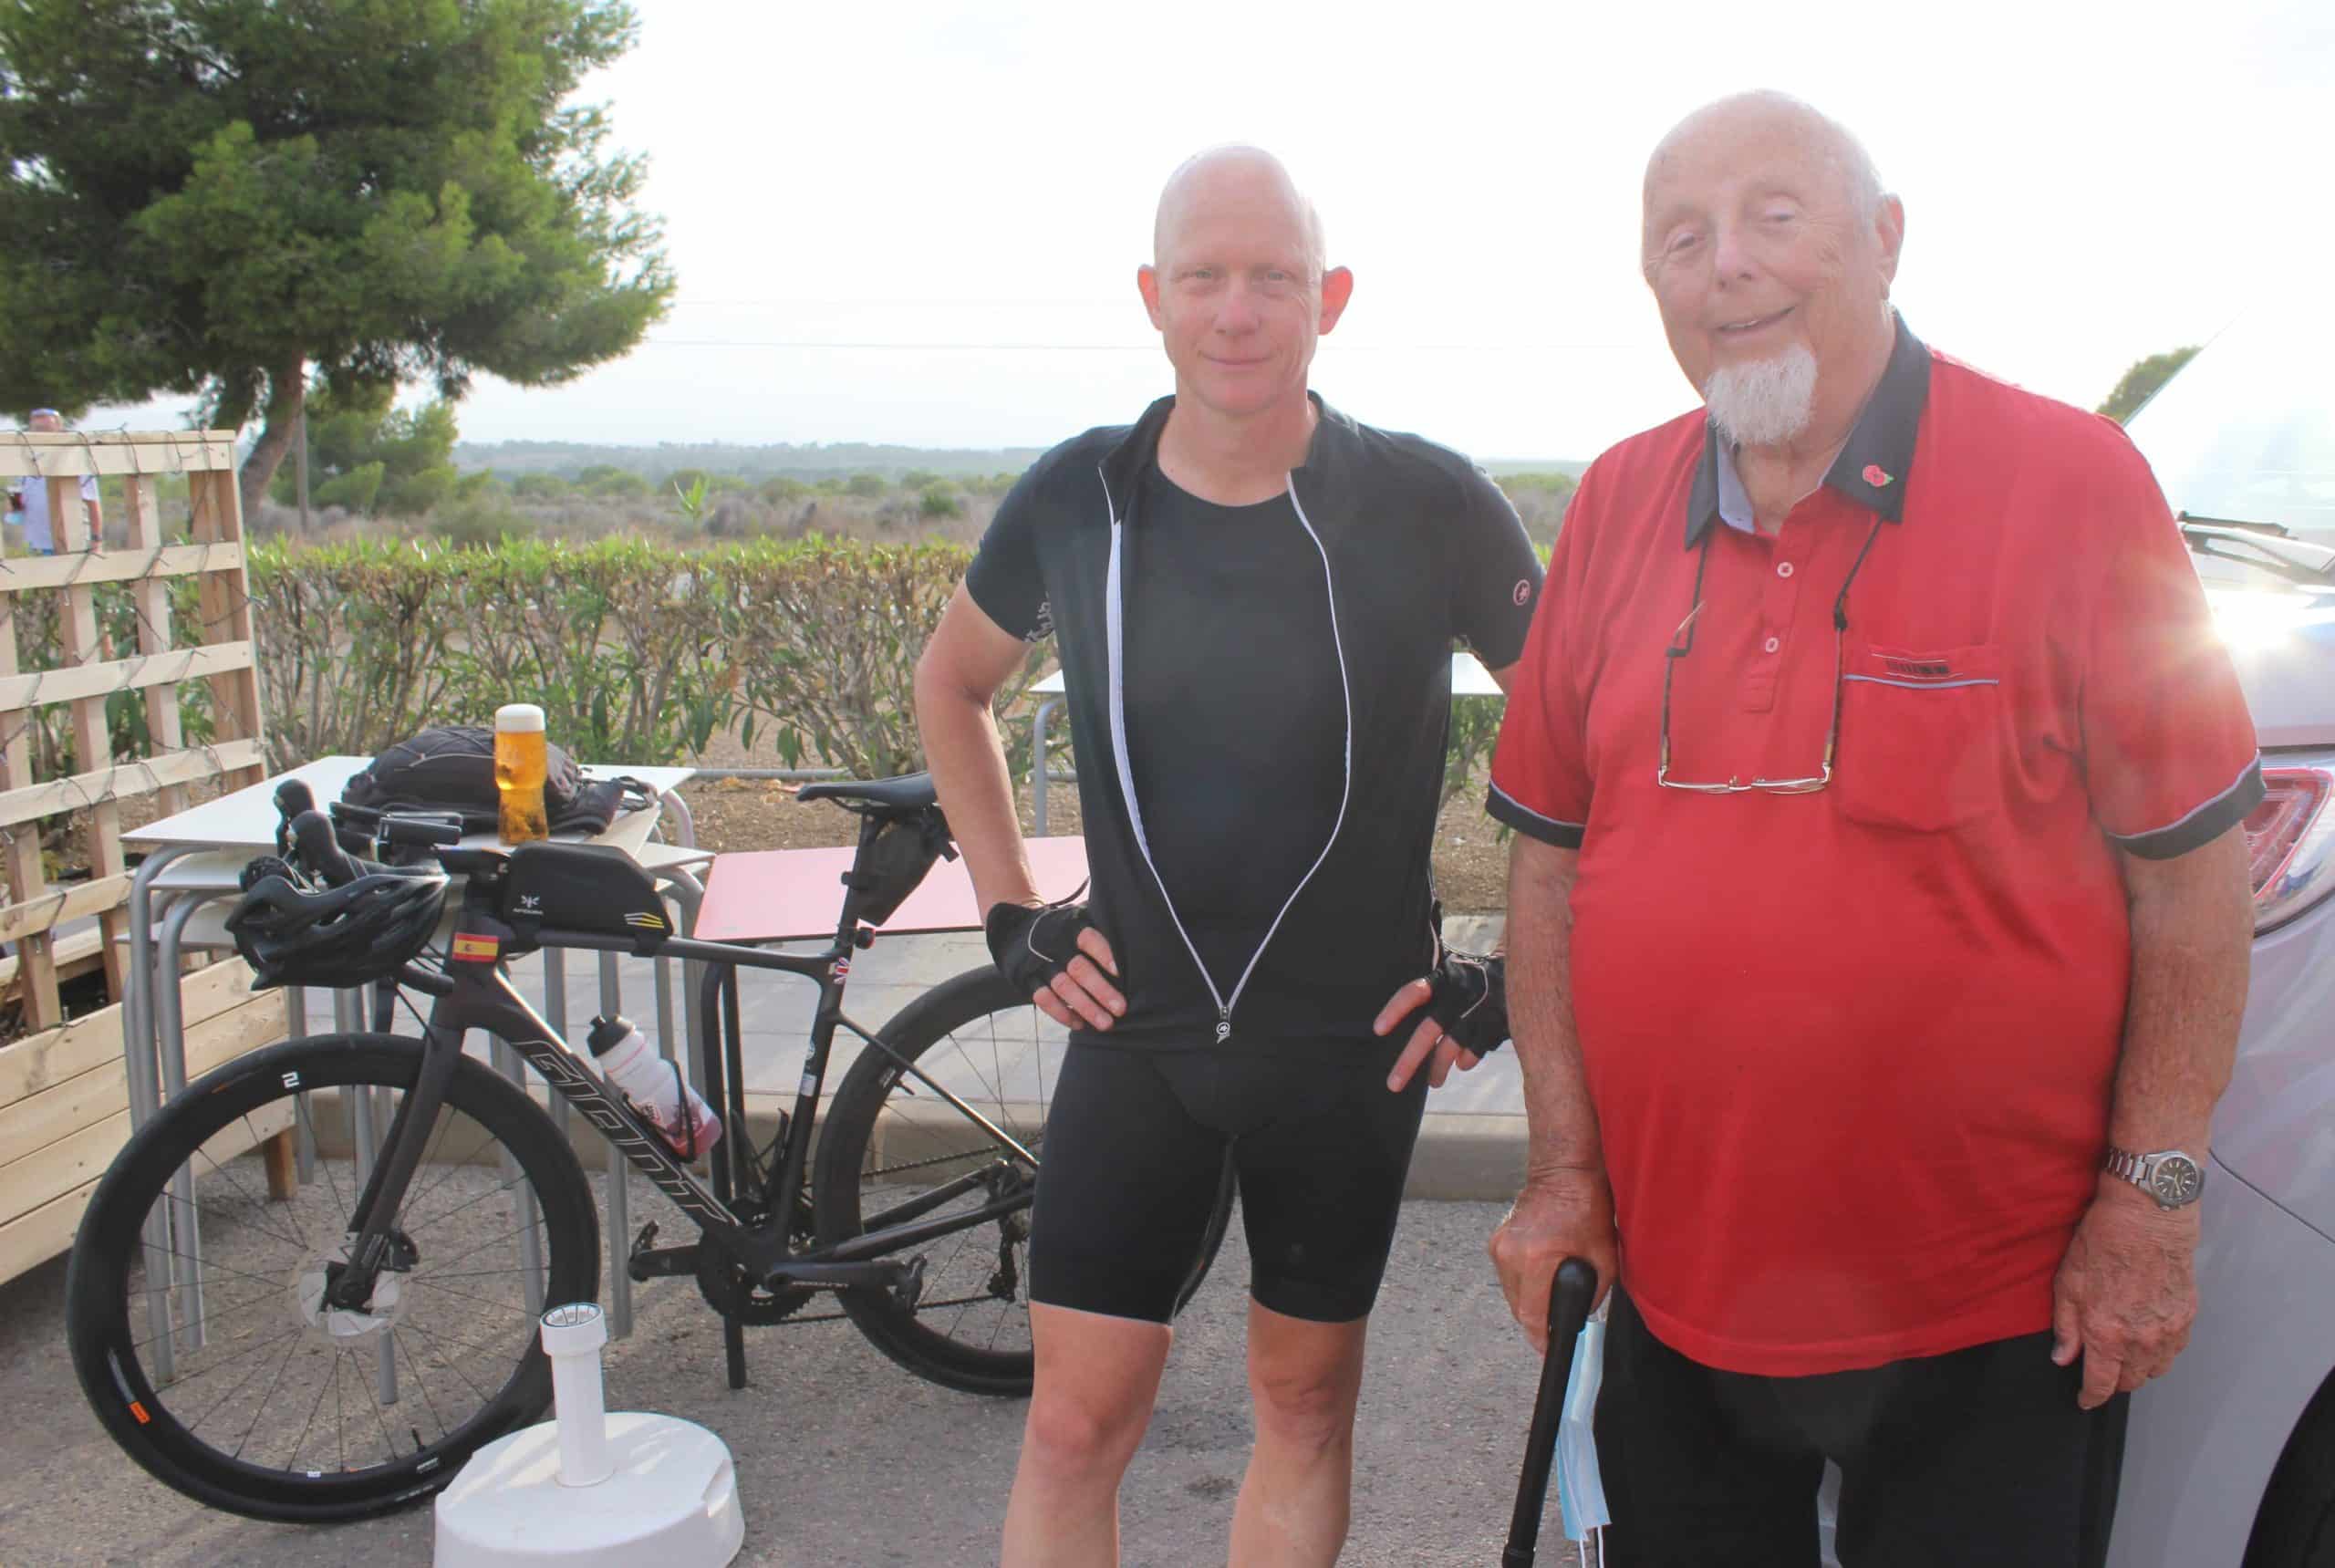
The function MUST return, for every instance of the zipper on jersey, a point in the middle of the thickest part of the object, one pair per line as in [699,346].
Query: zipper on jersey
[1114,644]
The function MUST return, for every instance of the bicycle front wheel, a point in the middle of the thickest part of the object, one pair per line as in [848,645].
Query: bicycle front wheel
[197,1313]
[894,1151]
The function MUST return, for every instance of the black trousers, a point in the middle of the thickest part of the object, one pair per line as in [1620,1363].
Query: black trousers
[1980,1458]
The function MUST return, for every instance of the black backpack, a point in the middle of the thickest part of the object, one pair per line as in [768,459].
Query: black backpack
[448,769]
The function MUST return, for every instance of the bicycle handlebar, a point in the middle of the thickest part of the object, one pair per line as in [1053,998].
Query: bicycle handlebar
[319,851]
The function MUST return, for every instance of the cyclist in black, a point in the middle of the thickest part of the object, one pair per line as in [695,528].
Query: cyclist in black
[1255,600]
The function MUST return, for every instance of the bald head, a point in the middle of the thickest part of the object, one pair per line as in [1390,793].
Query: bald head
[1770,248]
[1765,115]
[1246,179]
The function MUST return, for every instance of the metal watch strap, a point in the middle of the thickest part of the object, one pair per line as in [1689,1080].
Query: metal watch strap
[2141,1170]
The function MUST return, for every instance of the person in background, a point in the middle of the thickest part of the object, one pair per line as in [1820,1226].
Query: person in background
[29,499]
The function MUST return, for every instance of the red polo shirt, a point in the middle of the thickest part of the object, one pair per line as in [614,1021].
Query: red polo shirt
[1851,1051]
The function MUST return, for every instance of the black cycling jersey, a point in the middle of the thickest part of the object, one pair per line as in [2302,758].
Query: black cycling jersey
[1228,652]
[1411,547]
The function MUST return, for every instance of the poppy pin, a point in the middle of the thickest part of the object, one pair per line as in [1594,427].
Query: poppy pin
[1878,476]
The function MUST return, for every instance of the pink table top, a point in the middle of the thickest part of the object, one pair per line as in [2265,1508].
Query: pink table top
[786,895]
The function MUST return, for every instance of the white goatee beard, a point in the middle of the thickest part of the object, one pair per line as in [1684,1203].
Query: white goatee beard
[1763,404]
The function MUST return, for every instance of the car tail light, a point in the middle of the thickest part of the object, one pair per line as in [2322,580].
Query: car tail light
[2291,842]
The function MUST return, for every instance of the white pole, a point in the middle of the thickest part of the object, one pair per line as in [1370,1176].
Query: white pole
[573,1335]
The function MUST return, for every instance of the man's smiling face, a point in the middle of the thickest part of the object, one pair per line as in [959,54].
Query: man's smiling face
[1759,240]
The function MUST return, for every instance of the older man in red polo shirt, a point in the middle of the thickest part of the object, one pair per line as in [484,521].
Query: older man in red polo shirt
[1879,914]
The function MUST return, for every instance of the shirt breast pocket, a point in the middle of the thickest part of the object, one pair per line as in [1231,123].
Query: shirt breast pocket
[1922,745]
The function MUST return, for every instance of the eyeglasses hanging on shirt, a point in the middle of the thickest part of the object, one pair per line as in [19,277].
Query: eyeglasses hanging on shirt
[1682,643]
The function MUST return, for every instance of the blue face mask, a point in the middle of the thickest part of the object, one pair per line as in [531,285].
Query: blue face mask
[1580,1493]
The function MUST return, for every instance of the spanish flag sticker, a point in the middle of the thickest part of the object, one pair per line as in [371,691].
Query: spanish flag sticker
[476,948]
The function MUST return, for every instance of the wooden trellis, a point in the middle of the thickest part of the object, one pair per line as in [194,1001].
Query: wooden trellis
[218,650]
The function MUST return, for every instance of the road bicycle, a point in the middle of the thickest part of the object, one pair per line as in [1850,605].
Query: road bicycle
[338,1347]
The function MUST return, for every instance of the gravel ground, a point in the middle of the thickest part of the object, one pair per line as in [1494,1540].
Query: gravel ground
[845,1458]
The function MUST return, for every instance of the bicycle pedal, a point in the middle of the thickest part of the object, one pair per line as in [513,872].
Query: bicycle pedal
[646,1238]
[909,1288]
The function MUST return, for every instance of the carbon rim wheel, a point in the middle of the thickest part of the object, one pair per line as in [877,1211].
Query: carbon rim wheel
[202,1335]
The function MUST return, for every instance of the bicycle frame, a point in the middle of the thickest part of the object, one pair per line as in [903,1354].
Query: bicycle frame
[478,994]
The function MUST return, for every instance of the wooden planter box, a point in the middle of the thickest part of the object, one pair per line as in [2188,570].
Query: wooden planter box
[65,1105]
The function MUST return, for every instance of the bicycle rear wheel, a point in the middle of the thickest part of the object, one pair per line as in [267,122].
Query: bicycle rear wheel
[202,1338]
[891,1149]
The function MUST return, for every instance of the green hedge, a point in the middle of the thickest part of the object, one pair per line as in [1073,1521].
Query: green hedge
[638,652]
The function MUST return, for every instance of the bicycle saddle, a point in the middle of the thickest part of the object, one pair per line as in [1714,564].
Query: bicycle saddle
[909,792]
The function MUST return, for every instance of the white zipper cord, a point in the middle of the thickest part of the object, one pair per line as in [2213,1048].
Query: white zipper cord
[1114,621]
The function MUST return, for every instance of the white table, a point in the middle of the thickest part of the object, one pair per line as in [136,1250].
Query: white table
[1468,679]
[198,855]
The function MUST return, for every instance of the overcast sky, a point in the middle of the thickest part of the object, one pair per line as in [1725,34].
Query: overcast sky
[957,196]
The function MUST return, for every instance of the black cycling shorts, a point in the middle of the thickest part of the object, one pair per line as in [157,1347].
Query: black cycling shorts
[1136,1147]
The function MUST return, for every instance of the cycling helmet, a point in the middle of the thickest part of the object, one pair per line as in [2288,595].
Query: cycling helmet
[361,931]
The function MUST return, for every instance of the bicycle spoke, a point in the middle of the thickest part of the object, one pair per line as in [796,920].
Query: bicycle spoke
[221,1268]
[193,1208]
[209,1317]
[421,1383]
[452,1171]
[414,1226]
[454,1365]
[327,1165]
[241,1383]
[506,1236]
[466,1296]
[292,1460]
[389,1443]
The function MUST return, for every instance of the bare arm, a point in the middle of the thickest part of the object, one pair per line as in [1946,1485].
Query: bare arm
[1562,1128]
[2126,1295]
[2193,932]
[1566,1210]
[969,657]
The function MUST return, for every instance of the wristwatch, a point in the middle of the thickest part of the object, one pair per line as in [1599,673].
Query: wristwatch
[2173,1179]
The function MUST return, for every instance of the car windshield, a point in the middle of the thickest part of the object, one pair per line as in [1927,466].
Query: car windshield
[2246,432]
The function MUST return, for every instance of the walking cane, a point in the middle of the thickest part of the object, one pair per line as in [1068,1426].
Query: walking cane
[1569,1296]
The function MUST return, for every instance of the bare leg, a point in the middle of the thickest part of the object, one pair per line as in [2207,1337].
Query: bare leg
[1096,1379]
[1306,1378]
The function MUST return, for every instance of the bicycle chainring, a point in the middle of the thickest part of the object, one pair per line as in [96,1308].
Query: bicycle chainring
[728,1289]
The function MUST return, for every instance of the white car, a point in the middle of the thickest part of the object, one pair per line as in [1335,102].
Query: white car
[2230,1461]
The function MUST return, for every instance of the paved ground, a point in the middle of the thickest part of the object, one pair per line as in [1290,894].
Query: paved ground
[845,1459]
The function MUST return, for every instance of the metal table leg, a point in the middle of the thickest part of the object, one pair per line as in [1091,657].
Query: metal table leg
[620,1198]
[688,823]
[1038,765]
[169,1040]
[556,1014]
[514,1067]
[303,1126]
[142,1075]
[349,1011]
[138,1007]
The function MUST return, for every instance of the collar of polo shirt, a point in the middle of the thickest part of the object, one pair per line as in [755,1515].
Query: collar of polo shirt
[1872,464]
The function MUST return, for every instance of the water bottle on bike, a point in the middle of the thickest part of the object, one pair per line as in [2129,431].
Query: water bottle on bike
[653,1084]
